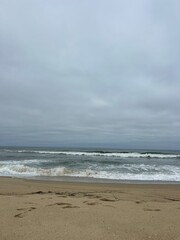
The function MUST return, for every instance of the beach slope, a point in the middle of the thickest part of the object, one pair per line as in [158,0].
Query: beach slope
[41,210]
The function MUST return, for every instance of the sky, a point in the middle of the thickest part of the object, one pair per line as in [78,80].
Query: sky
[102,73]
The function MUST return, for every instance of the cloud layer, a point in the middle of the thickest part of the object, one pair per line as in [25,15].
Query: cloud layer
[85,73]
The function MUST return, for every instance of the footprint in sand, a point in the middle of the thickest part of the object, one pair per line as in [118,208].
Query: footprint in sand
[150,209]
[65,205]
[21,215]
[173,199]
[71,206]
[108,200]
[139,201]
[91,203]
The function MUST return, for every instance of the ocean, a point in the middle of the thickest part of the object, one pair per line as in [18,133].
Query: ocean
[93,165]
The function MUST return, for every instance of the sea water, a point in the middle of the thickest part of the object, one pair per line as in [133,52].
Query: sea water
[92,164]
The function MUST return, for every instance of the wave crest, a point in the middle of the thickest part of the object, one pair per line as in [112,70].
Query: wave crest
[16,170]
[104,154]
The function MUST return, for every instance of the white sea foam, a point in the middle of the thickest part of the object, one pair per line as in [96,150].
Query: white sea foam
[22,170]
[174,176]
[164,173]
[24,161]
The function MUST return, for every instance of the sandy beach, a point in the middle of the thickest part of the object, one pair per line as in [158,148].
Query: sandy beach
[32,209]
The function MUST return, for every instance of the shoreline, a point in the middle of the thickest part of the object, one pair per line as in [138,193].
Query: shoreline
[72,179]
[74,185]
[40,209]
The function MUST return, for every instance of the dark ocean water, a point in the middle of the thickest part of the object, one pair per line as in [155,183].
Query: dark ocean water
[122,165]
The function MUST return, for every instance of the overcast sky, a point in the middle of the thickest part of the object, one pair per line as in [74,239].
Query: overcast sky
[102,73]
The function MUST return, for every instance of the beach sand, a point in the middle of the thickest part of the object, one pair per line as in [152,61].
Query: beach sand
[31,210]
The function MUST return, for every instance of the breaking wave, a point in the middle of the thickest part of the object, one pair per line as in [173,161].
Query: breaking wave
[22,170]
[105,154]
[134,172]
[113,165]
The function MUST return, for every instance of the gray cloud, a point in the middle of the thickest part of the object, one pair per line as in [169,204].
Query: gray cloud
[83,73]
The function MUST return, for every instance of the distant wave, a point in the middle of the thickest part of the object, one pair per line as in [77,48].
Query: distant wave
[102,153]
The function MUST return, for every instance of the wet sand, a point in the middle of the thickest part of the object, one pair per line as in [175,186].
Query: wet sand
[32,209]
